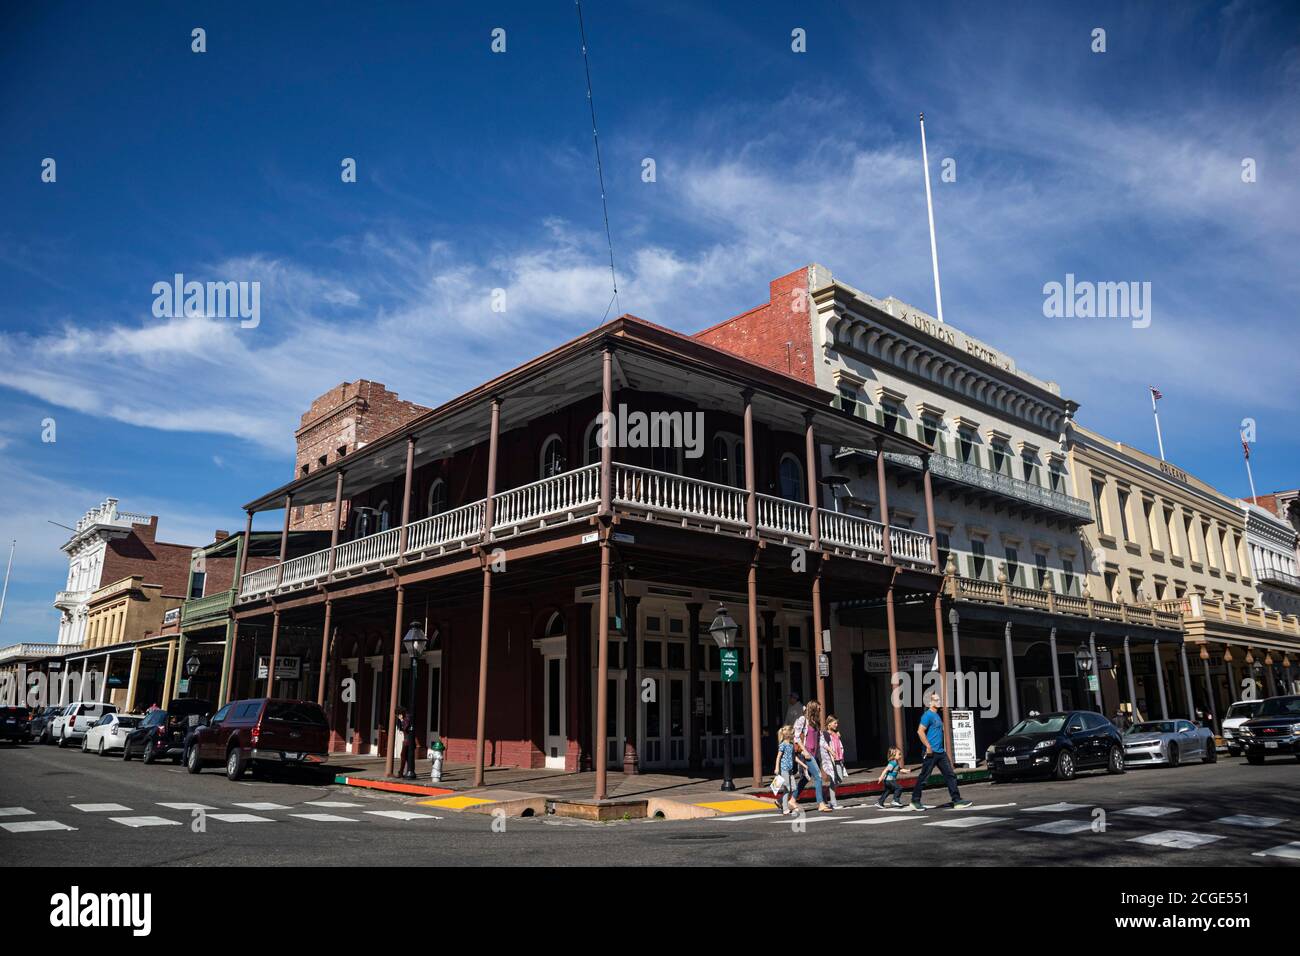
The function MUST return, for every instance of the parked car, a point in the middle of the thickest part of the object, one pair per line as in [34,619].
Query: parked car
[1058,744]
[14,725]
[1274,731]
[1238,714]
[80,716]
[162,732]
[57,722]
[41,720]
[260,732]
[108,733]
[1168,742]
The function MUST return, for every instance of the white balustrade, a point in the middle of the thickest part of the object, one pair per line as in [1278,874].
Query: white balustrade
[371,550]
[557,495]
[305,568]
[679,495]
[908,545]
[451,527]
[260,581]
[850,531]
[786,518]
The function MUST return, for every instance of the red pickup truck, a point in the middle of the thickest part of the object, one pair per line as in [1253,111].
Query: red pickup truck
[261,732]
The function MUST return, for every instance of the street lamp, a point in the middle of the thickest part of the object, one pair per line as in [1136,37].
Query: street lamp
[415,641]
[838,484]
[192,666]
[723,629]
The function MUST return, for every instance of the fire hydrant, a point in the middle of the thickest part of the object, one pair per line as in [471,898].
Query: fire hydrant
[438,749]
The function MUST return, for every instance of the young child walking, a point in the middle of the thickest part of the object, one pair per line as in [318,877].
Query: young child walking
[889,779]
[785,764]
[833,758]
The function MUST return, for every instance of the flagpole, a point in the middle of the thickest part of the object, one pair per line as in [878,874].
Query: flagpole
[9,567]
[929,208]
[1159,440]
[1249,476]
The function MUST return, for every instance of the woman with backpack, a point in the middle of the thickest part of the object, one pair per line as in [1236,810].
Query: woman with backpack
[808,744]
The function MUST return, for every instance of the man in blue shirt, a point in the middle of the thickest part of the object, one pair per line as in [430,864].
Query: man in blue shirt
[930,732]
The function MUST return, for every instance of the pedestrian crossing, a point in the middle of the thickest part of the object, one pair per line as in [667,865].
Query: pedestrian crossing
[21,820]
[1064,821]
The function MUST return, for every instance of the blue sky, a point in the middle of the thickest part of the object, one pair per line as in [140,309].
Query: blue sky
[475,172]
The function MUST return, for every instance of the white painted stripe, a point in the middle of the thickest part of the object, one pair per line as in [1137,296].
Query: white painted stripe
[324,817]
[402,815]
[15,812]
[769,815]
[1176,839]
[1055,808]
[262,806]
[1150,811]
[1287,851]
[1246,820]
[870,820]
[239,818]
[186,806]
[34,826]
[1061,827]
[333,804]
[814,817]
[964,822]
[145,821]
[983,806]
[101,808]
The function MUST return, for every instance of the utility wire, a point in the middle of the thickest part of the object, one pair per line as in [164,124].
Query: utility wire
[600,174]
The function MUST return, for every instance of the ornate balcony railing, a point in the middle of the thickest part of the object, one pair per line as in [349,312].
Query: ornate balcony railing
[851,532]
[71,598]
[677,495]
[1271,576]
[211,605]
[1011,595]
[261,581]
[307,567]
[908,545]
[561,496]
[370,551]
[788,519]
[442,532]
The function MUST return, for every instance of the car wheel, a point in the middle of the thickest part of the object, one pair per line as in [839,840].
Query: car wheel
[235,764]
[85,741]
[126,750]
[999,778]
[1255,759]
[192,762]
[101,746]
[63,739]
[148,754]
[1064,766]
[1115,762]
[1211,752]
[1174,759]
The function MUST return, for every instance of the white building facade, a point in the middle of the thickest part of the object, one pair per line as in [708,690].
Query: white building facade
[86,550]
[1271,545]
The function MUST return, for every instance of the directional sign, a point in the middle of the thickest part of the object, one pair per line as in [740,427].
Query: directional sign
[823,665]
[730,664]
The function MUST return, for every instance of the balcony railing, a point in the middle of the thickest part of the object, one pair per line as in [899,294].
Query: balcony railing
[307,567]
[788,519]
[1271,576]
[371,551]
[851,532]
[1011,595]
[71,598]
[196,609]
[259,582]
[559,497]
[658,492]
[448,531]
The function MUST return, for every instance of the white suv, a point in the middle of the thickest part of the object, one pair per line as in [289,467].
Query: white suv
[1238,714]
[80,716]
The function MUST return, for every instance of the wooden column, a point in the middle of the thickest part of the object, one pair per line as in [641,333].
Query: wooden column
[695,758]
[895,677]
[929,513]
[242,562]
[601,737]
[406,499]
[1096,670]
[815,644]
[324,651]
[755,701]
[631,687]
[234,656]
[393,680]
[270,661]
[751,501]
[810,466]
[489,515]
[284,539]
[883,491]
[334,523]
[938,608]
[775,707]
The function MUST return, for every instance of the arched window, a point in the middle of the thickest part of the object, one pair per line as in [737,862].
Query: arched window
[667,460]
[791,474]
[555,626]
[552,461]
[437,503]
[381,518]
[591,444]
[728,466]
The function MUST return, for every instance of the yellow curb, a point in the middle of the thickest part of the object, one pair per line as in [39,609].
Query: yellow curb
[455,803]
[735,806]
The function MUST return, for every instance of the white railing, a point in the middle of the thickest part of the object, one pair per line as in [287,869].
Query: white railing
[372,549]
[786,518]
[260,581]
[458,525]
[850,531]
[305,568]
[678,495]
[558,495]
[908,545]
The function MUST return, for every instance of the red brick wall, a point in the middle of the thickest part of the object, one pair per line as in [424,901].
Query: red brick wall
[157,562]
[777,335]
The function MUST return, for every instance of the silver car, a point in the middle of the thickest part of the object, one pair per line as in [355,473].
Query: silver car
[1168,742]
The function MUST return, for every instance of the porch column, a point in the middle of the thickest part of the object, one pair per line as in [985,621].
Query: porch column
[953,620]
[811,463]
[324,651]
[393,681]
[243,546]
[1216,724]
[895,677]
[1013,691]
[1096,670]
[1270,681]
[1231,669]
[229,692]
[103,685]
[1056,670]
[775,708]
[167,677]
[406,499]
[270,661]
[489,515]
[695,760]
[631,688]
[1160,681]
[133,680]
[943,672]
[226,651]
[884,499]
[751,502]
[929,512]
[334,522]
[1132,692]
[602,625]
[755,710]
[815,644]
[1187,683]
[284,539]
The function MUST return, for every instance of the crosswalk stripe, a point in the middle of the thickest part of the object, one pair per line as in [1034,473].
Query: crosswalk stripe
[963,822]
[1246,820]
[186,806]
[1149,811]
[1287,851]
[15,812]
[332,804]
[101,808]
[324,817]
[1055,808]
[736,818]
[145,821]
[1176,839]
[262,806]
[870,820]
[1060,827]
[34,826]
[402,815]
[239,818]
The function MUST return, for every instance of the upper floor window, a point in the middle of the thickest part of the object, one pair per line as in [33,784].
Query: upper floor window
[977,561]
[1030,466]
[1040,570]
[437,502]
[728,465]
[1013,566]
[1001,457]
[591,445]
[944,543]
[930,430]
[1098,488]
[966,446]
[889,415]
[552,458]
[791,474]
[196,583]
[1123,514]
[1067,576]
[382,519]
[668,460]
[848,398]
[1056,478]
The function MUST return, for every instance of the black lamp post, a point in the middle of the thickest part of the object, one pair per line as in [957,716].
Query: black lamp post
[415,641]
[723,630]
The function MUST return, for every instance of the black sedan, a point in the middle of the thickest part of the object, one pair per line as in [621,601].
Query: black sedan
[1273,732]
[13,725]
[1059,745]
[162,732]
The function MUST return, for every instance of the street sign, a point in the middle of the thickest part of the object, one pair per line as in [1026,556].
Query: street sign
[185,685]
[826,640]
[1092,682]
[730,664]
[823,665]
[963,738]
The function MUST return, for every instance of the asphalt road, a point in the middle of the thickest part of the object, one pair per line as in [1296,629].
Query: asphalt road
[108,812]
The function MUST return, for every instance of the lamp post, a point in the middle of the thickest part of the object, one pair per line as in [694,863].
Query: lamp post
[191,668]
[723,629]
[415,641]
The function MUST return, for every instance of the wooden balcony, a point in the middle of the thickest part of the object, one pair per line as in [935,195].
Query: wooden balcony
[1013,596]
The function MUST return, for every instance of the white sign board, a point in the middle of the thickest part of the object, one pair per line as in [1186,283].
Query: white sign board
[286,668]
[877,662]
[963,738]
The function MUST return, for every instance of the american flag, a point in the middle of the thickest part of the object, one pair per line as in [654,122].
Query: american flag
[1245,447]
[1155,393]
